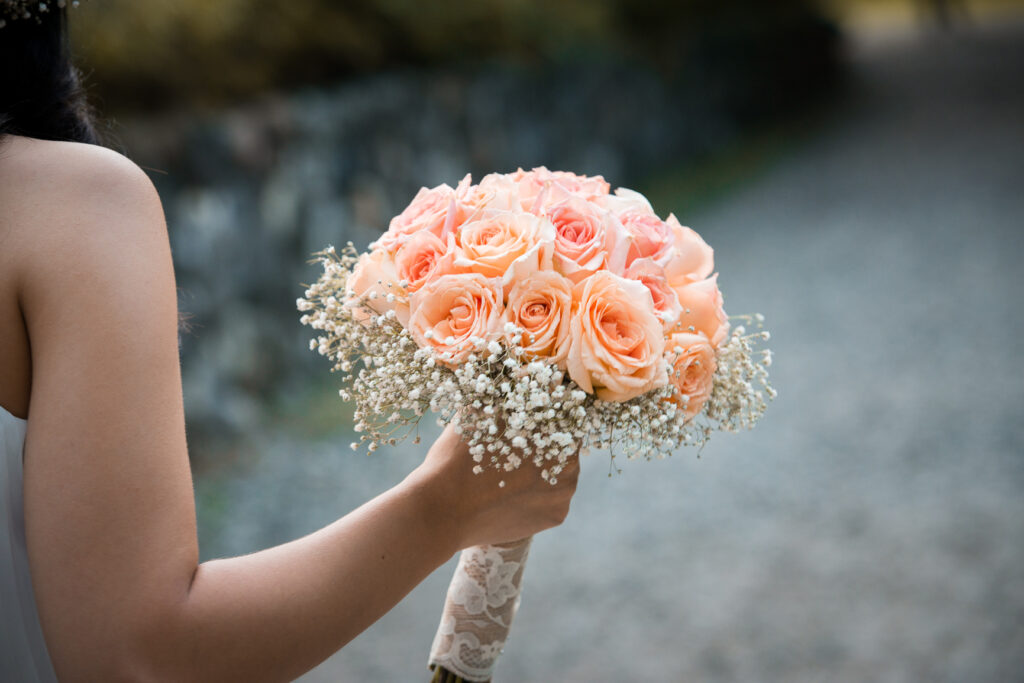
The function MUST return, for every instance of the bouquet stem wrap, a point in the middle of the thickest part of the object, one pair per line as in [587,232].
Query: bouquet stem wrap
[482,601]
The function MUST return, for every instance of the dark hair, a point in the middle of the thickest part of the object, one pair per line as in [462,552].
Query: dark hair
[40,90]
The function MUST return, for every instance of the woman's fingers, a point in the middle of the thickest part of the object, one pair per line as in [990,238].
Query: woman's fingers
[497,504]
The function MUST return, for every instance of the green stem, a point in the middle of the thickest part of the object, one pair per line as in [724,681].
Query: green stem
[443,675]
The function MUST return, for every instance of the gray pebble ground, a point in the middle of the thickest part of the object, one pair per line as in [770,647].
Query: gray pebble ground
[872,528]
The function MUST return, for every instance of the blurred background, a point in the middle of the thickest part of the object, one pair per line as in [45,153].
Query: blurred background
[858,167]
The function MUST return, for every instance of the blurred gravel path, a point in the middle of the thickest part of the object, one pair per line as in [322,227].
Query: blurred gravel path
[872,529]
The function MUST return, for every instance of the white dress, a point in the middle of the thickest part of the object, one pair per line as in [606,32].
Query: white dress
[23,655]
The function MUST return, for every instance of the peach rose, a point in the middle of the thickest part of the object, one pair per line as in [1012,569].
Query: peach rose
[616,340]
[448,311]
[541,305]
[691,259]
[625,200]
[430,210]
[373,281]
[423,257]
[587,239]
[587,187]
[535,187]
[692,371]
[495,192]
[504,244]
[702,310]
[649,236]
[666,303]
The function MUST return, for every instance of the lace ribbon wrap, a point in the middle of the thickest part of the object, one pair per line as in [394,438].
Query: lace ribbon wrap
[482,601]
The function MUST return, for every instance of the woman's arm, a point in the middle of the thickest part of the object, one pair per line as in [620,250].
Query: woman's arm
[109,509]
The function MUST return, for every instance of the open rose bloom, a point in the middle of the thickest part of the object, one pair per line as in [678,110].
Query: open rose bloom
[539,311]
[542,315]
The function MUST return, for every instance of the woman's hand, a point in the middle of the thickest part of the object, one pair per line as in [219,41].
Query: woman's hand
[479,510]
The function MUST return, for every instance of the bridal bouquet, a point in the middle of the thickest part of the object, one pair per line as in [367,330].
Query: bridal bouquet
[543,316]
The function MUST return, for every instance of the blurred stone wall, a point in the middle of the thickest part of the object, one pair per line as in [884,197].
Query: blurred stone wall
[251,192]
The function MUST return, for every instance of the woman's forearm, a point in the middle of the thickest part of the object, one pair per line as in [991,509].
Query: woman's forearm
[274,614]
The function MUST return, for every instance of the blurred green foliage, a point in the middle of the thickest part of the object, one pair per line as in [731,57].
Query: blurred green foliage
[152,54]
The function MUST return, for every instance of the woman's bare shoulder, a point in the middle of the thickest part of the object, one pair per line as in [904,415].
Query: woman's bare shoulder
[67,160]
[66,174]
[82,233]
[66,197]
